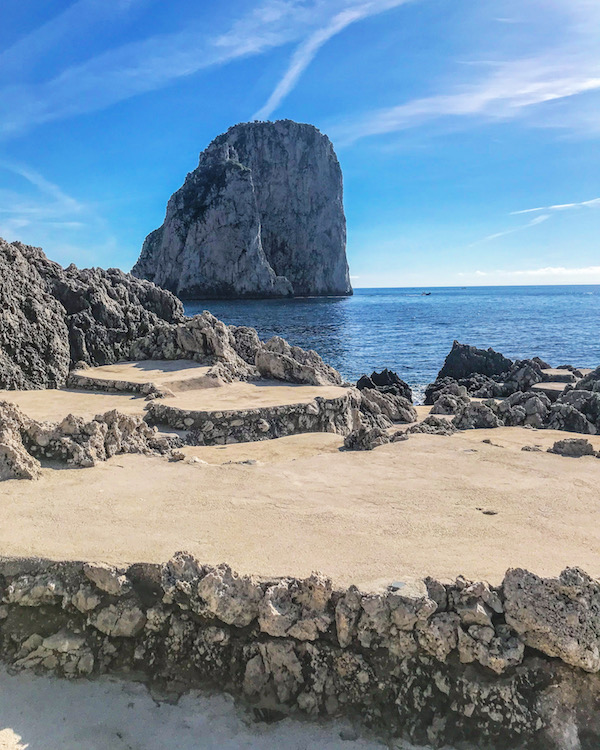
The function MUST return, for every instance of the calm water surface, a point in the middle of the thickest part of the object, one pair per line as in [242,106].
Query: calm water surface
[411,333]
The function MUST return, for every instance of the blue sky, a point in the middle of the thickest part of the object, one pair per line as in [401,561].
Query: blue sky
[468,132]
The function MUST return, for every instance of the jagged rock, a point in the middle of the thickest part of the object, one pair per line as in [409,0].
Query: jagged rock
[385,381]
[448,404]
[558,616]
[567,417]
[438,635]
[475,386]
[232,598]
[591,381]
[34,340]
[297,609]
[497,652]
[522,375]
[74,441]
[107,578]
[277,359]
[260,216]
[464,360]
[542,363]
[122,620]
[409,603]
[433,425]
[15,461]
[585,401]
[573,448]
[395,408]
[347,615]
[366,439]
[477,415]
[525,409]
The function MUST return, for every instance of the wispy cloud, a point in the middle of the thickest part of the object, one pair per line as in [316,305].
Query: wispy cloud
[148,64]
[79,18]
[40,212]
[511,89]
[593,203]
[546,84]
[309,48]
[534,222]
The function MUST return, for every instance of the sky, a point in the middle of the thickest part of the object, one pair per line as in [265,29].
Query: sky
[468,132]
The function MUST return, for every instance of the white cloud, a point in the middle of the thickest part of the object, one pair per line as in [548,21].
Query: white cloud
[534,222]
[309,48]
[593,203]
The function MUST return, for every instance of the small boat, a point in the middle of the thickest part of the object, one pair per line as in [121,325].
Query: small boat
[425,294]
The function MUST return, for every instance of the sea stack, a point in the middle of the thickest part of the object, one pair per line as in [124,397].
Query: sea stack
[261,216]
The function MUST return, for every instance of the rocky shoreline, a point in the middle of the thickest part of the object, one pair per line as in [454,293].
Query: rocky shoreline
[509,666]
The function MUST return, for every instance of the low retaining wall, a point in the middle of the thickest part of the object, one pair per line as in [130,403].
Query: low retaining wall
[84,382]
[508,667]
[338,415]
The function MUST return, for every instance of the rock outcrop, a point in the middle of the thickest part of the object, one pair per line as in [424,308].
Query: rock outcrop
[464,360]
[34,338]
[53,317]
[73,442]
[261,216]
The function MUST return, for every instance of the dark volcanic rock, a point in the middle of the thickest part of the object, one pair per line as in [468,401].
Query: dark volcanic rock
[590,382]
[261,216]
[385,381]
[464,360]
[476,416]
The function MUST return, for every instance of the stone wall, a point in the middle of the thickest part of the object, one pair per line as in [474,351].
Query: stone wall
[339,415]
[509,667]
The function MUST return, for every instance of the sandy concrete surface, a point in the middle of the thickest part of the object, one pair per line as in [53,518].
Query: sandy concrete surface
[43,713]
[54,405]
[406,509]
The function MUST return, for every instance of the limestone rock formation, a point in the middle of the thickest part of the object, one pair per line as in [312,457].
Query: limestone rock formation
[34,342]
[74,441]
[261,216]
[53,317]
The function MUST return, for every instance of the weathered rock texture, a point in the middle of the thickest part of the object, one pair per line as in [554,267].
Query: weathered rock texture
[337,415]
[53,317]
[461,663]
[261,216]
[73,442]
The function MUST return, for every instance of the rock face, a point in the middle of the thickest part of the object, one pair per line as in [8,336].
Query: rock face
[53,317]
[465,360]
[34,341]
[261,216]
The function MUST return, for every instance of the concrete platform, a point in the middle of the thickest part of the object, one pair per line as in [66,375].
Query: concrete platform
[176,375]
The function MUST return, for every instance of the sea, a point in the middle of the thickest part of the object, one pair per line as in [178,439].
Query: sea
[411,330]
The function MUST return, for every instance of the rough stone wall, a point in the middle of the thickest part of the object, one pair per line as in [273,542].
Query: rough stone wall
[261,216]
[509,667]
[338,415]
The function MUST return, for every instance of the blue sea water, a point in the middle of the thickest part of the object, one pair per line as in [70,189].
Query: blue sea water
[411,332]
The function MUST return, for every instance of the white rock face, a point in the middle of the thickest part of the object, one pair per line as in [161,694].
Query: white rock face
[261,216]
